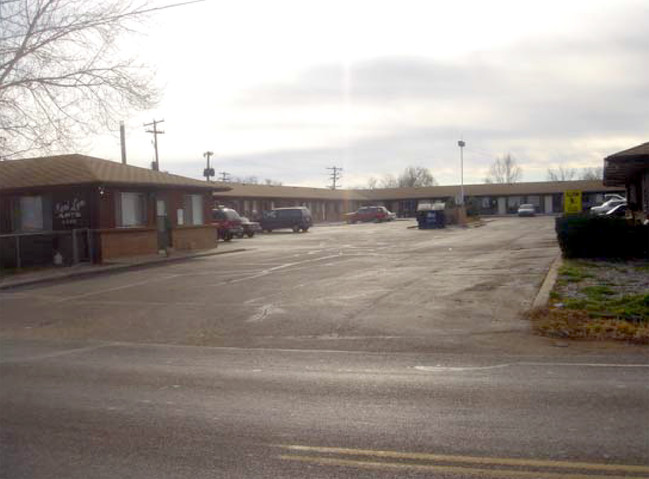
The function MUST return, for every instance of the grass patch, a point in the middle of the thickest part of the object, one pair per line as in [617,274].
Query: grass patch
[598,293]
[572,272]
[634,307]
[597,300]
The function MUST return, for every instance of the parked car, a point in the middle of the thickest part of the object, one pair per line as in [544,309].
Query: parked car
[613,196]
[370,213]
[526,209]
[249,227]
[227,222]
[619,210]
[609,205]
[296,218]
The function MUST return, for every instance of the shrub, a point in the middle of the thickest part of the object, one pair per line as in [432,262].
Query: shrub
[587,236]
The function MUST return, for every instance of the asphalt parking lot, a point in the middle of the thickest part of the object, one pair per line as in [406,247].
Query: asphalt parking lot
[371,287]
[370,350]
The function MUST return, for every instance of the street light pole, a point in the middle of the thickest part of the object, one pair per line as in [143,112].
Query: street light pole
[461,144]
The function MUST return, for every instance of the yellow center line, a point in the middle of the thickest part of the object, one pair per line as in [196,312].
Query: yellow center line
[469,459]
[465,471]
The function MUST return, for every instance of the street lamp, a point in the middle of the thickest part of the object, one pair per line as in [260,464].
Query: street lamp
[461,144]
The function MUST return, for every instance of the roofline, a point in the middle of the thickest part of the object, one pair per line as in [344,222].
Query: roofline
[91,184]
[622,155]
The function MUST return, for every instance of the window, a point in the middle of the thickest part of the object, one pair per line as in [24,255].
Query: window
[32,213]
[193,206]
[131,209]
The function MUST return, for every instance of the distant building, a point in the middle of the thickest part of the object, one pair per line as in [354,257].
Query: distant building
[485,199]
[83,208]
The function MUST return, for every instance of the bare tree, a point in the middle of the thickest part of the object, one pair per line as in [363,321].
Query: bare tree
[561,174]
[62,74]
[595,173]
[248,180]
[372,183]
[416,176]
[504,170]
[389,181]
[270,182]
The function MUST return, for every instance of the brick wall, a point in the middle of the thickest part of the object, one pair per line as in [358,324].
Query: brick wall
[128,242]
[194,237]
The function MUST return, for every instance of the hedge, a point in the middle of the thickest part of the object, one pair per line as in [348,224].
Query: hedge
[588,236]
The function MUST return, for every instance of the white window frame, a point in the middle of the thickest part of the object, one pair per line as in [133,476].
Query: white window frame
[193,210]
[131,218]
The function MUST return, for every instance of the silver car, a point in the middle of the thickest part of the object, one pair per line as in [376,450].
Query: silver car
[526,209]
[608,206]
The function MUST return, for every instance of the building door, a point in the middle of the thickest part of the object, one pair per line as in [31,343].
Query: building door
[548,204]
[502,206]
[163,225]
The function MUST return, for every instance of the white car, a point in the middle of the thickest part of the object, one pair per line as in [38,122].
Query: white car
[606,207]
[526,210]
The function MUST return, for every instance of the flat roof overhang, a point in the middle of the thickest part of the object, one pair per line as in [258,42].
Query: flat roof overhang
[618,171]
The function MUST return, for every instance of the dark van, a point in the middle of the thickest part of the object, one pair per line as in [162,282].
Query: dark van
[296,218]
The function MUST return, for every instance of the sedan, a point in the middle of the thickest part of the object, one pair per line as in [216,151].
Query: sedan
[619,210]
[526,210]
[606,207]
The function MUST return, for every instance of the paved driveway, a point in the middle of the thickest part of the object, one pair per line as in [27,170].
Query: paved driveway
[382,287]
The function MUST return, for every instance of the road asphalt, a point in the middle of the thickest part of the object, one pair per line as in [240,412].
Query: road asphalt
[354,351]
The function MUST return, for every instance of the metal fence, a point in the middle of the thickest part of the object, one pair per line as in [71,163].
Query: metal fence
[20,250]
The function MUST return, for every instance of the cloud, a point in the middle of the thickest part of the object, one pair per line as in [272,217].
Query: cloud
[541,88]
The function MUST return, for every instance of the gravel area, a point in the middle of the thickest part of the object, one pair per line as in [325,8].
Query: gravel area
[621,278]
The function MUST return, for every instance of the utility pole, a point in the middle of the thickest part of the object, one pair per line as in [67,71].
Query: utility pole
[122,141]
[461,144]
[156,164]
[207,172]
[225,176]
[336,174]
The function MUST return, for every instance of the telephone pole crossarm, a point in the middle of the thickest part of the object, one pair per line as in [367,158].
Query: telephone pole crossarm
[155,132]
[336,174]
[208,171]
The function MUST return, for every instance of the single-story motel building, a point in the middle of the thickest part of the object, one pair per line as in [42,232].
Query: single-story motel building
[484,199]
[81,208]
[72,208]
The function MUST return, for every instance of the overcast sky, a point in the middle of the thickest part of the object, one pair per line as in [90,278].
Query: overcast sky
[284,89]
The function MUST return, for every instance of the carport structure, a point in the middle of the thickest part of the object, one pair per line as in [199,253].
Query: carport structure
[630,169]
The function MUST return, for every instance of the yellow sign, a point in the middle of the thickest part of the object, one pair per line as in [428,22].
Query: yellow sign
[572,201]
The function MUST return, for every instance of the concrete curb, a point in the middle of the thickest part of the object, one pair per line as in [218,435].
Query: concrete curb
[112,269]
[543,295]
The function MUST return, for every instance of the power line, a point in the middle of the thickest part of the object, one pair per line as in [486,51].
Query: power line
[225,176]
[335,175]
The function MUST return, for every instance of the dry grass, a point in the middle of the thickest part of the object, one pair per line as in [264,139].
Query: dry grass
[579,324]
